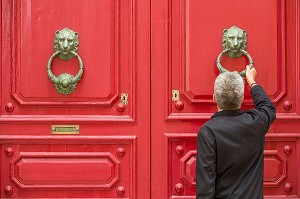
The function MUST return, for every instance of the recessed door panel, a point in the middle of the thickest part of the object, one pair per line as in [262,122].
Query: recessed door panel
[280,171]
[98,165]
[105,30]
[195,43]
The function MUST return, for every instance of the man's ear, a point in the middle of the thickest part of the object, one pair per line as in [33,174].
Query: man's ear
[214,99]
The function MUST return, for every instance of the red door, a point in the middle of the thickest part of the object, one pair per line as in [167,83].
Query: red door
[93,142]
[186,41]
[86,143]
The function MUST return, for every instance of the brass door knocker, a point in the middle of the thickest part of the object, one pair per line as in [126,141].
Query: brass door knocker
[66,44]
[234,45]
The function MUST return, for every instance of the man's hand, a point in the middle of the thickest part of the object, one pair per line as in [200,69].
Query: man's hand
[250,75]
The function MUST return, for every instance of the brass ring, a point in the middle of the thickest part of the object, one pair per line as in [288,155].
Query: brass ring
[65,83]
[222,69]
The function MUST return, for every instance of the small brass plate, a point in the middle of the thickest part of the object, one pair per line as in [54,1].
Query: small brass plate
[175,95]
[65,129]
[124,98]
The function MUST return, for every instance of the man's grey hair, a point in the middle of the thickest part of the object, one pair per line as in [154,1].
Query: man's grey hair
[229,90]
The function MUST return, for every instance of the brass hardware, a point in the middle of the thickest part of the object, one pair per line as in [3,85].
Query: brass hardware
[65,46]
[65,129]
[175,95]
[124,98]
[234,39]
[234,45]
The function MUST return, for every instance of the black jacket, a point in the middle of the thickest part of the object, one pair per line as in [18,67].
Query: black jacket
[230,151]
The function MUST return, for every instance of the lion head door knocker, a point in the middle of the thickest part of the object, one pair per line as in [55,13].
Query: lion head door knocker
[234,45]
[65,46]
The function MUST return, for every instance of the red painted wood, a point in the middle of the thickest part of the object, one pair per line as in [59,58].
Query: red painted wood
[104,160]
[88,163]
[115,49]
[186,40]
[65,170]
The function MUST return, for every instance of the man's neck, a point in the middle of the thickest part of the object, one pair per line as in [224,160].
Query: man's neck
[219,109]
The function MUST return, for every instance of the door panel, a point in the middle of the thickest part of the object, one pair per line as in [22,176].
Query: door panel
[182,157]
[34,164]
[186,41]
[194,38]
[105,46]
[84,144]
[280,166]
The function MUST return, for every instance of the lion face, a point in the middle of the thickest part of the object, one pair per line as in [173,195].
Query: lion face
[234,39]
[66,41]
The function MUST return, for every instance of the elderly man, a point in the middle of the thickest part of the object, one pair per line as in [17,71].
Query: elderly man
[230,146]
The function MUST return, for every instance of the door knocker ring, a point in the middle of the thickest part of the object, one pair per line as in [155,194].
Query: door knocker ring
[65,46]
[234,45]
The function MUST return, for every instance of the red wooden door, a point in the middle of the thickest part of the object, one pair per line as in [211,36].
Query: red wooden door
[109,157]
[117,149]
[186,40]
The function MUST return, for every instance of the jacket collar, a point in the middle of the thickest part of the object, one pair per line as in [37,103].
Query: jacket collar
[228,113]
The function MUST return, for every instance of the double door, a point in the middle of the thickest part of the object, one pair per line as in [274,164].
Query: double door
[144,73]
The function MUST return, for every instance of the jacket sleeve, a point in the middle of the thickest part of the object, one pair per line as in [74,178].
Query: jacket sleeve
[205,164]
[263,104]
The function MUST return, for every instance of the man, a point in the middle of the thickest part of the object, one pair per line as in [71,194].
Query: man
[230,146]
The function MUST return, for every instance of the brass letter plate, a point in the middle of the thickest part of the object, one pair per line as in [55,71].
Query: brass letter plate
[65,129]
